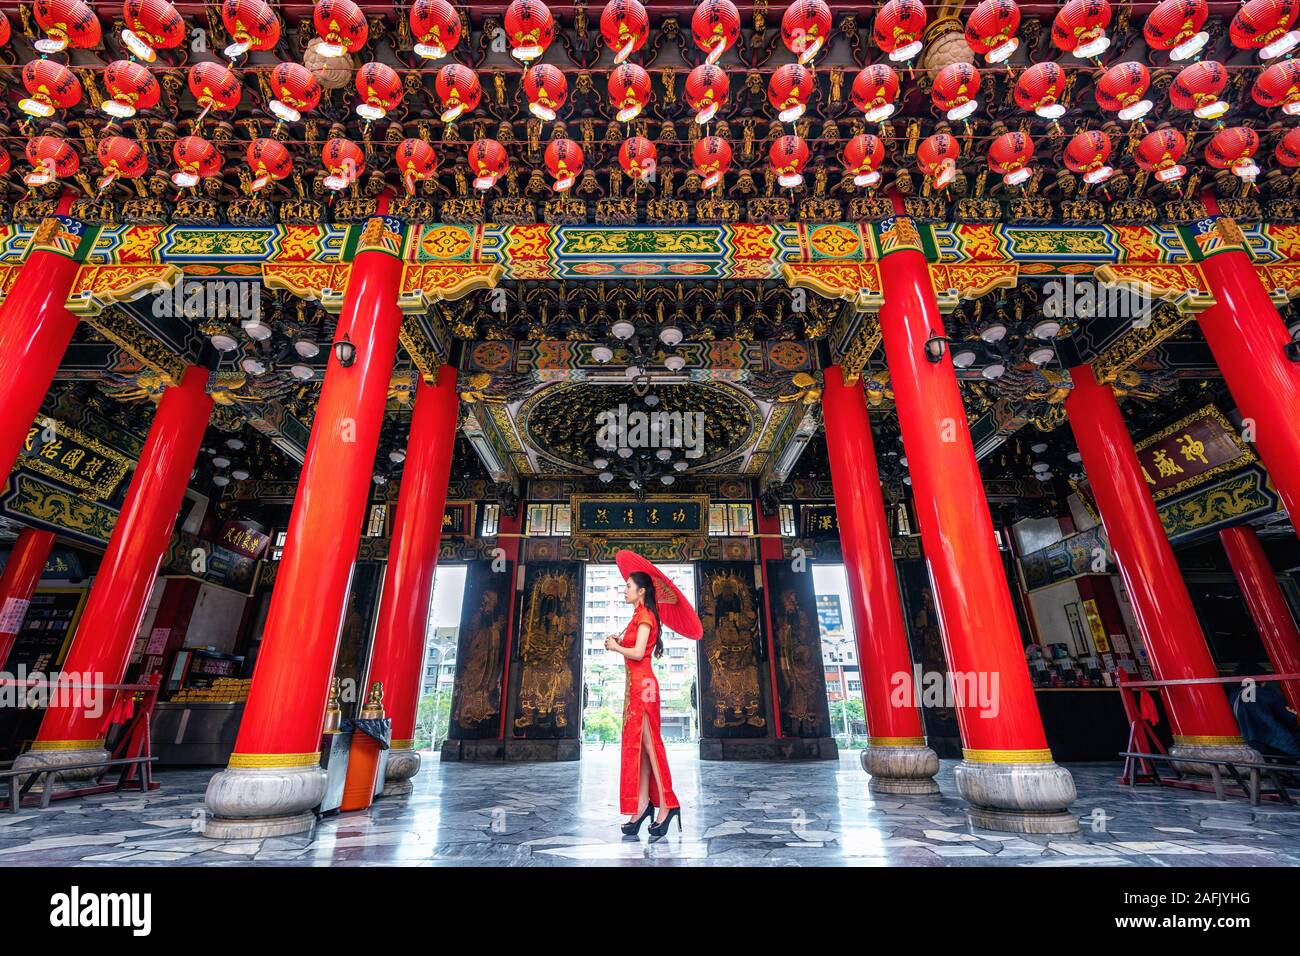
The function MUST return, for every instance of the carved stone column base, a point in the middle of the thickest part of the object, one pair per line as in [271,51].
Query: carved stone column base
[1233,752]
[901,770]
[251,802]
[1017,797]
[60,758]
[402,766]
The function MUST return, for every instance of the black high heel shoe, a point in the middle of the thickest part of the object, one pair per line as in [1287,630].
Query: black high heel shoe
[633,828]
[658,830]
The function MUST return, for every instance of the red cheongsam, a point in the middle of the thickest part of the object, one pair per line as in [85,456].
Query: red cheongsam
[641,703]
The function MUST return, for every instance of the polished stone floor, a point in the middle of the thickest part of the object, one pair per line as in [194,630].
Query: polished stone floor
[761,814]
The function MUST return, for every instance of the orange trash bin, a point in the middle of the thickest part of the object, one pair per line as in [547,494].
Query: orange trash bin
[363,758]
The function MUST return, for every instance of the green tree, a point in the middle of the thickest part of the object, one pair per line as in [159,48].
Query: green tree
[432,716]
[603,725]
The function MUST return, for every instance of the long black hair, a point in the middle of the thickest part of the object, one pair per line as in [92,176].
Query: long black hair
[644,581]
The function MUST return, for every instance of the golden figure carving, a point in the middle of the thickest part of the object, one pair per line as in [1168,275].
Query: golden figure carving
[797,639]
[548,633]
[731,625]
[481,680]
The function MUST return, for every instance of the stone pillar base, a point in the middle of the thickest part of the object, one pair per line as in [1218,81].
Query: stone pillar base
[251,802]
[1018,797]
[901,770]
[402,766]
[41,759]
[1234,752]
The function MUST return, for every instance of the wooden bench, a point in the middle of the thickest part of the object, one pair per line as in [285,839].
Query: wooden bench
[18,788]
[1274,769]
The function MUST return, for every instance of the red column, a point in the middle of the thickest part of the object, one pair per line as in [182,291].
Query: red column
[22,572]
[1268,607]
[1247,336]
[1199,715]
[102,645]
[412,559]
[896,745]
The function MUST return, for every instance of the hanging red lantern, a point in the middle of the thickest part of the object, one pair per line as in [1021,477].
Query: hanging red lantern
[120,158]
[50,86]
[1010,155]
[1235,149]
[151,25]
[937,157]
[1039,89]
[436,28]
[629,90]
[900,25]
[6,31]
[252,25]
[341,25]
[1279,85]
[563,158]
[863,156]
[296,90]
[1086,154]
[380,88]
[416,161]
[529,27]
[457,87]
[706,90]
[130,87]
[1175,25]
[66,23]
[875,92]
[1080,28]
[1197,88]
[638,157]
[625,26]
[5,162]
[546,89]
[488,162]
[1288,149]
[1122,90]
[195,159]
[805,28]
[215,87]
[991,29]
[343,160]
[955,88]
[712,156]
[789,157]
[715,25]
[789,90]
[1160,152]
[269,160]
[1267,26]
[51,158]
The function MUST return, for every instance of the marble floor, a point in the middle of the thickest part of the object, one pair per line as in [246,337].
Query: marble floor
[757,814]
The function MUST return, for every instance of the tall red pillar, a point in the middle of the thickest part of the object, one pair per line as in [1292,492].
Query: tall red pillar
[402,626]
[896,755]
[73,732]
[1008,774]
[1199,715]
[1268,607]
[1247,336]
[18,583]
[274,777]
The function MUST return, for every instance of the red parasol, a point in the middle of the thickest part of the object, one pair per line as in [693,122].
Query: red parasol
[675,611]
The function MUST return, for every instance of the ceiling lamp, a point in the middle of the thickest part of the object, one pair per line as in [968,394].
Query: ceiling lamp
[638,157]
[66,23]
[343,161]
[788,91]
[1235,149]
[993,371]
[991,29]
[239,474]
[269,161]
[252,25]
[1039,90]
[625,27]
[563,159]
[546,90]
[600,463]
[805,28]
[715,26]
[680,466]
[296,91]
[995,331]
[1122,90]
[606,476]
[674,363]
[215,87]
[50,86]
[220,480]
[789,157]
[1086,154]
[863,156]
[488,162]
[1080,28]
[875,92]
[1266,26]
[256,329]
[1176,26]
[306,348]
[1288,149]
[151,25]
[253,366]
[954,90]
[223,341]
[622,330]
[380,89]
[302,373]
[436,28]
[195,159]
[1279,85]
[51,158]
[900,25]
[963,358]
[706,90]
[712,156]
[1046,329]
[1159,153]
[120,158]
[602,354]
[416,161]
[667,479]
[937,157]
[341,25]
[629,91]
[1197,87]
[670,335]
[1041,355]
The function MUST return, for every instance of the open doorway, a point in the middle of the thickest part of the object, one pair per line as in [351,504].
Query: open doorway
[438,674]
[840,655]
[604,680]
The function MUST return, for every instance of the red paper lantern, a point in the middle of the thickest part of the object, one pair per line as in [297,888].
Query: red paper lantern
[1288,149]
[296,90]
[343,160]
[1197,88]
[955,88]
[1279,85]
[215,86]
[1080,28]
[269,161]
[380,89]
[937,157]
[546,89]
[5,162]
[805,28]
[1039,89]
[1122,90]
[436,28]
[1086,154]
[1235,149]
[863,156]
[991,29]
[130,87]
[706,90]
[638,156]
[416,161]
[6,31]
[51,158]
[625,26]
[1010,155]
[1160,152]
[715,25]
[629,90]
[342,25]
[120,158]
[50,86]
[1175,25]
[788,91]
[875,92]
[252,25]
[151,25]
[1266,26]
[195,159]
[530,28]
[712,156]
[789,157]
[900,25]
[488,162]
[66,23]
[563,158]
[457,87]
